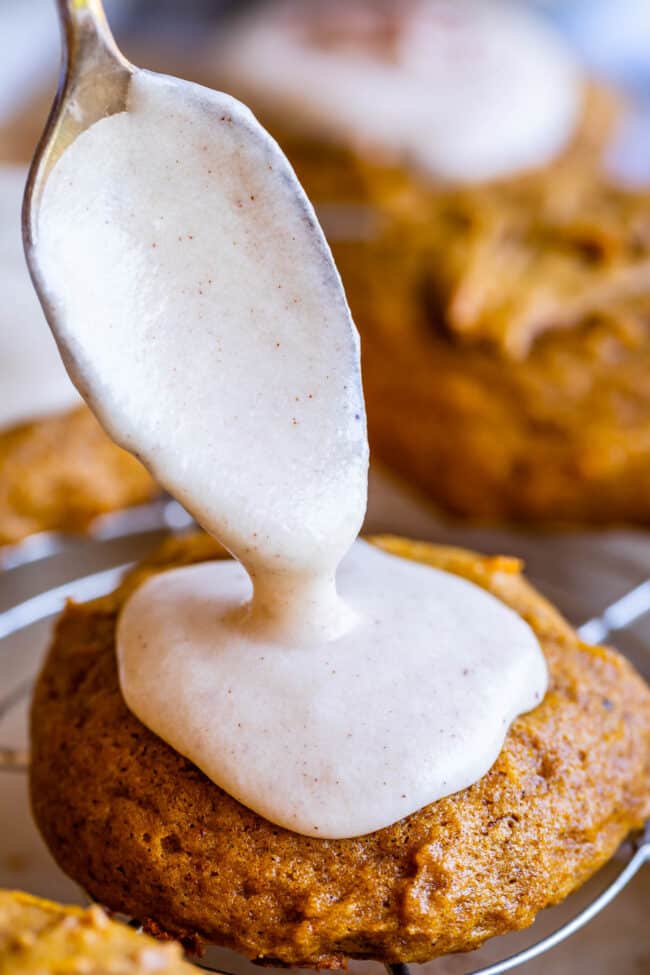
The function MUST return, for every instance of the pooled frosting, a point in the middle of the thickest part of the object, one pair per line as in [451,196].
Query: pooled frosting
[328,686]
[463,90]
[33,380]
[341,737]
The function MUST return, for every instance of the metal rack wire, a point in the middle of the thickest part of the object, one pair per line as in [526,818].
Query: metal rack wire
[616,616]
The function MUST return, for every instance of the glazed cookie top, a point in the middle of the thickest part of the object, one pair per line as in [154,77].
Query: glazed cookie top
[33,381]
[464,91]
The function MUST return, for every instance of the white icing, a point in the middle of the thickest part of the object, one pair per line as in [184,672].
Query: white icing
[466,91]
[222,351]
[223,354]
[33,381]
[336,738]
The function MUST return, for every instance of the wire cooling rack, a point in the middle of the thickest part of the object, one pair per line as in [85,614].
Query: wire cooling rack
[40,574]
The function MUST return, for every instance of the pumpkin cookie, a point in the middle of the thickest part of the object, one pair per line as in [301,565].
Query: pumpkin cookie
[145,832]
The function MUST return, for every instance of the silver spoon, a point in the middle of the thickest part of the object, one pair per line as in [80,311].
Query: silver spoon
[94,83]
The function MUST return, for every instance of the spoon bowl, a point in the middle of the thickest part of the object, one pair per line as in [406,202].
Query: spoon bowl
[158,213]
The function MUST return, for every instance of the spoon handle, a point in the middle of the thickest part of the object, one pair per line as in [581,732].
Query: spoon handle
[94,83]
[88,42]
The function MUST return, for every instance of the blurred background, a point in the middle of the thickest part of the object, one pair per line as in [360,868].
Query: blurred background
[611,37]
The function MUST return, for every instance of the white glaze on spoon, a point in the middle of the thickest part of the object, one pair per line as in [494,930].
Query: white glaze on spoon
[223,354]
[221,350]
[33,381]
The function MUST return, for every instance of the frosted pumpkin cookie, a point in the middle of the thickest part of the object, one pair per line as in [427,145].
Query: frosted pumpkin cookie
[499,280]
[147,833]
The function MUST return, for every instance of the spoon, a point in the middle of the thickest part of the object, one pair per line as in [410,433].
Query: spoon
[94,83]
[164,214]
